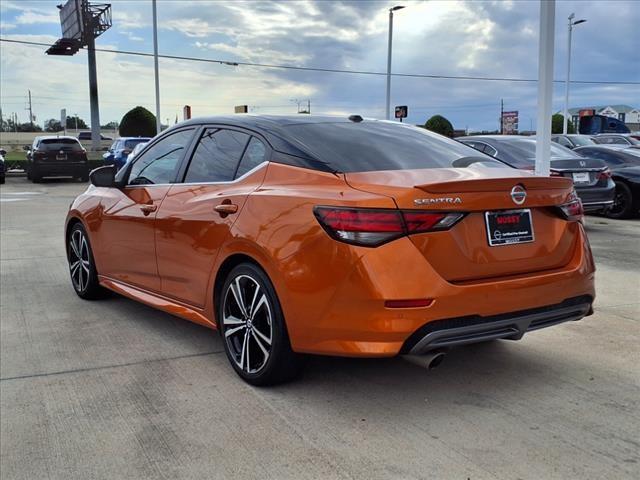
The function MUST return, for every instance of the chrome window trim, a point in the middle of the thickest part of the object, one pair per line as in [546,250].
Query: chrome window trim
[228,182]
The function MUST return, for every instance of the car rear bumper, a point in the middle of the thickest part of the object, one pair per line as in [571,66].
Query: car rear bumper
[59,169]
[473,329]
[356,322]
[596,199]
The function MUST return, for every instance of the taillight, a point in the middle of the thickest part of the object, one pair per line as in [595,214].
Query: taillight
[38,155]
[604,174]
[370,227]
[572,210]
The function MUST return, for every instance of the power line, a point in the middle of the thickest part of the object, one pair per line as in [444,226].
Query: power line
[329,70]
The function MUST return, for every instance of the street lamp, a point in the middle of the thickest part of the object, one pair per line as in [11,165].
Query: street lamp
[391,10]
[566,87]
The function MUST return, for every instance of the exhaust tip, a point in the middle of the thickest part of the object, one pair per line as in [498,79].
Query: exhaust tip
[436,360]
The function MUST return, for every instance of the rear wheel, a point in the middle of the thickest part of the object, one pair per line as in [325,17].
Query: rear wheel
[623,202]
[84,276]
[253,329]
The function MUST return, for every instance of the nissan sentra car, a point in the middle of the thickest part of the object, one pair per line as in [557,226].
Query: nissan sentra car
[331,235]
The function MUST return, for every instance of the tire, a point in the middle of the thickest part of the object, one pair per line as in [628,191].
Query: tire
[253,328]
[36,178]
[1,180]
[623,202]
[28,173]
[82,267]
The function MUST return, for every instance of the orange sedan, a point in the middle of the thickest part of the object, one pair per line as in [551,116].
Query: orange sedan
[331,235]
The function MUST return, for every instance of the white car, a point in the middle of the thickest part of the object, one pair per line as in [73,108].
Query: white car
[135,151]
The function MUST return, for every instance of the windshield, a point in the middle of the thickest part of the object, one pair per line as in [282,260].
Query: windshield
[375,145]
[582,141]
[60,144]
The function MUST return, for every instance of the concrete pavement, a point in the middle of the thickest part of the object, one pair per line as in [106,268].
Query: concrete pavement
[113,389]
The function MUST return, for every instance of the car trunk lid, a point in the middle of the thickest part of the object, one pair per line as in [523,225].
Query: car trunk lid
[463,253]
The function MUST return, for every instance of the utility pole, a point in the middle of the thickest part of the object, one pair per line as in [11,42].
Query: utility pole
[501,116]
[30,111]
[155,65]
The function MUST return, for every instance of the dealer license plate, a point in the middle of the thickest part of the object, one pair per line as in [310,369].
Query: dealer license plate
[509,227]
[581,177]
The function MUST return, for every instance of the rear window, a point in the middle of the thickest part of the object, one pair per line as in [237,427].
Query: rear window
[60,144]
[582,141]
[372,145]
[526,149]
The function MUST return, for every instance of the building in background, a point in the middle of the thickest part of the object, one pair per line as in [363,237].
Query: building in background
[630,116]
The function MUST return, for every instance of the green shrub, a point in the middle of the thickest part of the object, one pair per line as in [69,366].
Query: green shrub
[439,124]
[138,122]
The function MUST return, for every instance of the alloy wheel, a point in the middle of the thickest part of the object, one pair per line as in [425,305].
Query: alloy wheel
[79,260]
[247,323]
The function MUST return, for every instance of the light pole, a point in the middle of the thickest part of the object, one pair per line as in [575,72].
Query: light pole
[566,86]
[155,65]
[388,109]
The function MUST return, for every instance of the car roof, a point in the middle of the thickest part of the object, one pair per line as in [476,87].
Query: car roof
[54,137]
[496,137]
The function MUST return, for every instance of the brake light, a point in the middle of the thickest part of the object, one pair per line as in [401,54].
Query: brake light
[604,174]
[373,227]
[572,210]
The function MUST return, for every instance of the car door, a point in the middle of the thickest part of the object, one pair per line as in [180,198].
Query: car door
[126,236]
[196,216]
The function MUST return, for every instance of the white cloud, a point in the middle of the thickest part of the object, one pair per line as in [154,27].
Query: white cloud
[31,17]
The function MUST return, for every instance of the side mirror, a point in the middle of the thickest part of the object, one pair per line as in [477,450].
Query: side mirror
[103,176]
[3,152]
[26,147]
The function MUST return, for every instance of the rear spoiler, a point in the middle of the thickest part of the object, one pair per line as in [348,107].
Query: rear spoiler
[497,184]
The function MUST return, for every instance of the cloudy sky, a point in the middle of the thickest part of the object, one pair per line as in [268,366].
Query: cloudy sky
[452,38]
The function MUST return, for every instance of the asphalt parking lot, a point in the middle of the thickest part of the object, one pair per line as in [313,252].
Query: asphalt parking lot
[114,389]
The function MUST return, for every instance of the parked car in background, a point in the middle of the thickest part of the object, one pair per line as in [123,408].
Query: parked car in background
[625,171]
[573,140]
[3,166]
[120,150]
[52,156]
[331,235]
[627,140]
[136,150]
[591,177]
[86,136]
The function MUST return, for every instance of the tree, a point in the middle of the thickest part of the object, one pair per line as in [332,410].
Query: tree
[76,123]
[138,122]
[52,125]
[557,124]
[110,126]
[439,124]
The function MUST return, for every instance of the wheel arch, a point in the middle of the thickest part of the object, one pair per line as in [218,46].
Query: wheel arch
[226,266]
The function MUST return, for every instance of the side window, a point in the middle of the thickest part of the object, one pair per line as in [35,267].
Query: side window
[216,157]
[160,162]
[255,154]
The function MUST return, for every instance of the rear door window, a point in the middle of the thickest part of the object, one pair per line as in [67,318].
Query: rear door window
[254,155]
[216,157]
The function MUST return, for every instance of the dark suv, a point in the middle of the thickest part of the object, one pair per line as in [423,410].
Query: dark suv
[57,157]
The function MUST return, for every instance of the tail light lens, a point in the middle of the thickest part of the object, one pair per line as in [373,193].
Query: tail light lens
[572,210]
[604,174]
[370,227]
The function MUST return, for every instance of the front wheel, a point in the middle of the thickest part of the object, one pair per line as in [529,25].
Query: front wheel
[84,276]
[623,202]
[253,328]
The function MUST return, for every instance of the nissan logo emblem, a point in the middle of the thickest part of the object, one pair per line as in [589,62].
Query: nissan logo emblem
[518,194]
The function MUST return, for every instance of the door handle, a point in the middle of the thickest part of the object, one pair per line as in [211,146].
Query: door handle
[226,208]
[147,209]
